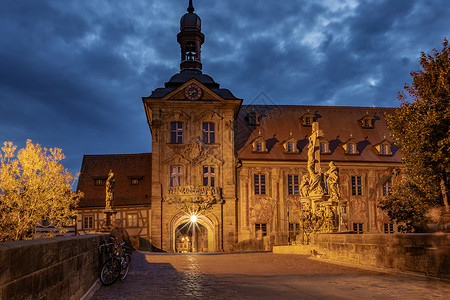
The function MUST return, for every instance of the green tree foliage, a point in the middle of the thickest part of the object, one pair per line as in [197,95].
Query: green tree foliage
[421,127]
[34,186]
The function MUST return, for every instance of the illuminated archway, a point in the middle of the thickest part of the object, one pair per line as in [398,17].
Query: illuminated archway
[184,226]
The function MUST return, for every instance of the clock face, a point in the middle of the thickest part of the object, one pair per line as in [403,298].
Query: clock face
[193,92]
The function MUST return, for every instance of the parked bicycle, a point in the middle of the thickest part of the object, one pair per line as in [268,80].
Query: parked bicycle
[118,263]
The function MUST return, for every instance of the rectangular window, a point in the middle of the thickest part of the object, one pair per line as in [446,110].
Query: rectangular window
[260,184]
[259,147]
[98,182]
[358,228]
[261,229]
[387,187]
[294,228]
[88,222]
[176,176]
[323,147]
[176,132]
[132,220]
[293,185]
[356,186]
[351,148]
[208,133]
[307,121]
[134,181]
[208,176]
[290,147]
[388,228]
[384,149]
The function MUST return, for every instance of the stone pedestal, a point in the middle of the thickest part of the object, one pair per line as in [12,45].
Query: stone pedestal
[109,217]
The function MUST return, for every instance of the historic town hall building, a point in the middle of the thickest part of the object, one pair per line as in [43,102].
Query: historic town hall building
[223,176]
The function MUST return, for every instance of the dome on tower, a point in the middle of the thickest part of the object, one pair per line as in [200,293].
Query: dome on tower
[190,21]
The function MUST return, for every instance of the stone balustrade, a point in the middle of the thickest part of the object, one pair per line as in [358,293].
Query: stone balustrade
[53,268]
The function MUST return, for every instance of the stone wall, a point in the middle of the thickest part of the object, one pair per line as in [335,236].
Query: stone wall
[54,268]
[425,254]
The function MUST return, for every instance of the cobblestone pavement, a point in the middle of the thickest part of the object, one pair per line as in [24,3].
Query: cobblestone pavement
[261,276]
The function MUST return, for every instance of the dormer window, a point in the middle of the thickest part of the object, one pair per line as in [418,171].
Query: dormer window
[324,146]
[350,146]
[98,181]
[259,144]
[252,119]
[290,145]
[367,121]
[307,119]
[383,148]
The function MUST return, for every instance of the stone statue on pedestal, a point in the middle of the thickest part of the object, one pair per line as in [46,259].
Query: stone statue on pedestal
[110,182]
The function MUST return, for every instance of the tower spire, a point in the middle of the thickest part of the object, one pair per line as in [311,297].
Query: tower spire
[190,39]
[190,9]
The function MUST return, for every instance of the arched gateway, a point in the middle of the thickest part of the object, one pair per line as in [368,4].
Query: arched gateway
[193,234]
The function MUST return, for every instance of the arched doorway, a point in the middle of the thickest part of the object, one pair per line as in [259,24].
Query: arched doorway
[193,236]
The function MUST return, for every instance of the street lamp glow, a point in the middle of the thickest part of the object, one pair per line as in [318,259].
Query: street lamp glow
[193,218]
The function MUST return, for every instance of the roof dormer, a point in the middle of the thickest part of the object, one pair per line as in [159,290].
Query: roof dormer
[290,145]
[259,144]
[384,148]
[367,121]
[350,146]
[307,119]
[324,146]
[252,118]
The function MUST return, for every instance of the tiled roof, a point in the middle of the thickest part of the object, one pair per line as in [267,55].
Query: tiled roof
[338,124]
[125,167]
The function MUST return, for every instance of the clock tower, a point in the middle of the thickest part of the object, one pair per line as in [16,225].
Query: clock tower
[192,123]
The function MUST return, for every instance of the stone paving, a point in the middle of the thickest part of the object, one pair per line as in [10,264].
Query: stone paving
[261,276]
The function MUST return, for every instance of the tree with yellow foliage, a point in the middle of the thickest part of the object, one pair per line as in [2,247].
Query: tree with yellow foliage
[34,186]
[421,127]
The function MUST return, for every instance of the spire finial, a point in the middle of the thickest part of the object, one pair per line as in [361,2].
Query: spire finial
[190,9]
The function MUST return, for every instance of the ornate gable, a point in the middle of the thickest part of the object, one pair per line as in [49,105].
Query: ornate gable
[192,90]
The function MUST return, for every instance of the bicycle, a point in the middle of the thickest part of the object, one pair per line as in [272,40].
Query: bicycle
[118,263]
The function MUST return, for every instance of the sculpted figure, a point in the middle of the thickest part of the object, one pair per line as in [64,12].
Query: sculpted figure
[304,186]
[315,179]
[110,190]
[333,180]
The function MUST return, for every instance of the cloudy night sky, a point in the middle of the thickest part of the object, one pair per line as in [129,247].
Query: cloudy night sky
[72,72]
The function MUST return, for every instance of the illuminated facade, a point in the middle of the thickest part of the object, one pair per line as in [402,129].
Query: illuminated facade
[237,168]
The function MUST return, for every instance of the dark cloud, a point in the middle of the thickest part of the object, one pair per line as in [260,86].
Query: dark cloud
[72,73]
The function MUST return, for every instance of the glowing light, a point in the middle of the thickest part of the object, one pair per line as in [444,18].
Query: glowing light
[193,218]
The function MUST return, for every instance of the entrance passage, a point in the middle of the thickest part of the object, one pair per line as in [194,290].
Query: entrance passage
[191,237]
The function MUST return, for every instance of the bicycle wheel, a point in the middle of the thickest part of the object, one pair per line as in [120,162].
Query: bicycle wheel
[126,261]
[110,271]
